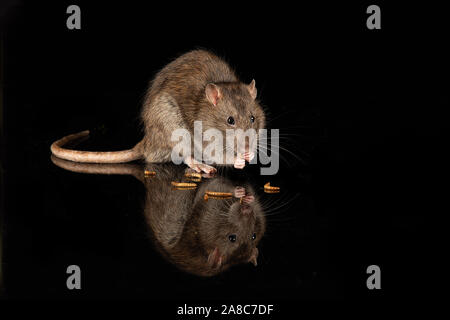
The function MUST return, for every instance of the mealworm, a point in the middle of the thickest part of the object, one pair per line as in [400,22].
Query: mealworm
[184,188]
[193,179]
[219,194]
[149,173]
[268,188]
[206,197]
[184,184]
[193,175]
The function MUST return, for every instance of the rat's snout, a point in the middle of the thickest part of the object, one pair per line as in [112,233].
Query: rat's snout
[254,256]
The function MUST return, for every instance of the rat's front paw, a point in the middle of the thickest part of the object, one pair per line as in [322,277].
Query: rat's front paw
[239,192]
[239,163]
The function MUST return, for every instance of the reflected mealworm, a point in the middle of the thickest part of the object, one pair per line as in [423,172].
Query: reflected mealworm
[193,175]
[184,188]
[149,173]
[184,184]
[219,194]
[268,187]
[206,196]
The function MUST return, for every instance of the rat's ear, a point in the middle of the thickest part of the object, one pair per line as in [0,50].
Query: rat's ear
[252,89]
[254,257]
[213,93]
[215,259]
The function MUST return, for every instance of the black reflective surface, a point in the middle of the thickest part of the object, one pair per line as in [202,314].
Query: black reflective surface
[362,116]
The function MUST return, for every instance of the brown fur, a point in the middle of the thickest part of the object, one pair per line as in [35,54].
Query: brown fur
[189,232]
[175,99]
[193,234]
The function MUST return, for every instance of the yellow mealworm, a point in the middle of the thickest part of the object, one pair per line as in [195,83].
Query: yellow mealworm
[193,175]
[193,179]
[184,184]
[206,197]
[268,187]
[149,173]
[184,188]
[219,194]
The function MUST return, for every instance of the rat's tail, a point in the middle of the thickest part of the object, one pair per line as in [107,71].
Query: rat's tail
[93,156]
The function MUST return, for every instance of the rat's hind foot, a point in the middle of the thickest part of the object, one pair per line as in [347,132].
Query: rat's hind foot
[201,167]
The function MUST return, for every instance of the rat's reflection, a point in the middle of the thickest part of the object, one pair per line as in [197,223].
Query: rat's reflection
[198,235]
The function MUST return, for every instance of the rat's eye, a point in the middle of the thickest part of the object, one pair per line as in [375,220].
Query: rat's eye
[252,119]
[254,236]
[230,120]
[232,237]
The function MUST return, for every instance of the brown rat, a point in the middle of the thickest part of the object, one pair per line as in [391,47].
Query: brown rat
[203,237]
[197,86]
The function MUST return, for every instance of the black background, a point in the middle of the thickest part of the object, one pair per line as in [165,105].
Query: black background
[365,110]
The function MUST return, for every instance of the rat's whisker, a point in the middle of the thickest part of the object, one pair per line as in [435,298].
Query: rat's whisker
[283,149]
[271,210]
[263,149]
